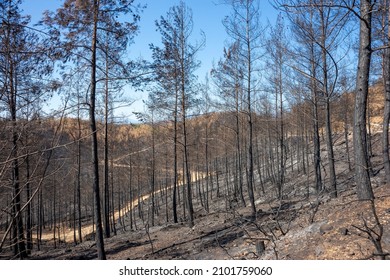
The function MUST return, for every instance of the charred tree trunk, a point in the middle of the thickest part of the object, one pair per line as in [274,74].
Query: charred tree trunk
[386,113]
[94,146]
[362,175]
[106,215]
[20,246]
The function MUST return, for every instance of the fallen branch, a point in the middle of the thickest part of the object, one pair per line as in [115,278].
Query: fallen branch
[374,233]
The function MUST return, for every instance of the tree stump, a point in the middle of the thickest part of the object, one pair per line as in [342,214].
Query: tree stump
[260,247]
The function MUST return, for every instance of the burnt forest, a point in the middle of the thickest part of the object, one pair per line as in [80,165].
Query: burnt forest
[279,150]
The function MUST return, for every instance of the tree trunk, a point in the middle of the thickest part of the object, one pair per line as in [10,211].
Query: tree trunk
[362,175]
[20,246]
[329,144]
[327,93]
[183,83]
[106,199]
[78,191]
[316,140]
[238,147]
[95,160]
[29,216]
[250,119]
[207,169]
[175,157]
[386,117]
[386,113]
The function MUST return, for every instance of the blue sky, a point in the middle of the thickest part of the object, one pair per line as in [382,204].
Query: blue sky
[207,16]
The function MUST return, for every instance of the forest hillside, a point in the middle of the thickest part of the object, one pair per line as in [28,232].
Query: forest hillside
[300,224]
[279,151]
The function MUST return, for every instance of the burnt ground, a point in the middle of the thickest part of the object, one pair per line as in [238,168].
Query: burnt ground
[307,229]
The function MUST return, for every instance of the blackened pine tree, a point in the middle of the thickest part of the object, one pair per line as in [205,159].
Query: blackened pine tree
[244,26]
[174,64]
[384,30]
[115,72]
[278,54]
[228,77]
[362,174]
[164,95]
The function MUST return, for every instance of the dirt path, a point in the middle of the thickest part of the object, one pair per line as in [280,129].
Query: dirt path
[67,234]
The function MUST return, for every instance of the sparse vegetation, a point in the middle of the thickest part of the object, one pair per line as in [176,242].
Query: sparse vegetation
[249,164]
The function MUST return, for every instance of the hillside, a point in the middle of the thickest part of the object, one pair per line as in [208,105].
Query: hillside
[279,150]
[331,235]
[301,224]
[300,227]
